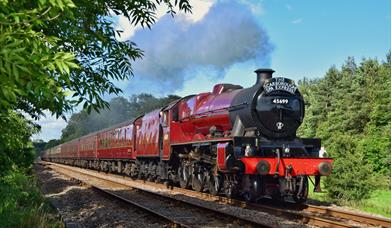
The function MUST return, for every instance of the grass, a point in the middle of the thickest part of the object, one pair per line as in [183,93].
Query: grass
[320,196]
[22,204]
[379,202]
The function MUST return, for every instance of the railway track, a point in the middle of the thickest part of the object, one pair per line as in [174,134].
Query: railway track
[179,213]
[354,216]
[306,214]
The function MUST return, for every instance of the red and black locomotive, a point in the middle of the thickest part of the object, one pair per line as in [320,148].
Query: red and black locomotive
[231,141]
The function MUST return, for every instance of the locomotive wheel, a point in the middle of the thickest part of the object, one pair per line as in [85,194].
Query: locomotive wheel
[198,181]
[184,177]
[252,192]
[301,197]
[214,184]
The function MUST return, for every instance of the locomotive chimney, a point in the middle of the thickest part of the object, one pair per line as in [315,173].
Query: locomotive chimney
[263,74]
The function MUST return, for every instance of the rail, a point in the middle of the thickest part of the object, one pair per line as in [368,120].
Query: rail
[307,214]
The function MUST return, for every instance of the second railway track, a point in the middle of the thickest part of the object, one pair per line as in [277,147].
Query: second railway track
[306,214]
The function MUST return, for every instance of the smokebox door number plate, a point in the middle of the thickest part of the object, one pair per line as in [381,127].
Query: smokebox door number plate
[280,101]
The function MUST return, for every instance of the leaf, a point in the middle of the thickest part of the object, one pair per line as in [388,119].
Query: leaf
[15,72]
[66,68]
[43,2]
[17,19]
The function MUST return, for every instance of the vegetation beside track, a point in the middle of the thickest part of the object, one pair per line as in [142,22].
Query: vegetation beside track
[350,110]
[378,203]
[22,204]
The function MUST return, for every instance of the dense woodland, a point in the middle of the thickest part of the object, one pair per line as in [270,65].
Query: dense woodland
[350,110]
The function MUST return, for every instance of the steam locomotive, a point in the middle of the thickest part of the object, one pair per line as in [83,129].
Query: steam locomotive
[233,141]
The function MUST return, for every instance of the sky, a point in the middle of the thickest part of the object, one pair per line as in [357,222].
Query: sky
[225,41]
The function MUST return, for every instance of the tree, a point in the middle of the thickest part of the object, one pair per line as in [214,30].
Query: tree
[352,178]
[349,109]
[52,143]
[33,67]
[56,54]
[39,146]
[16,150]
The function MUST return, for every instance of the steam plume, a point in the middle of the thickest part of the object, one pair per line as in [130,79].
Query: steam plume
[176,48]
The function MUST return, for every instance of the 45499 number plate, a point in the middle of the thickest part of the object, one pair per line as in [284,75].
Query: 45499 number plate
[280,101]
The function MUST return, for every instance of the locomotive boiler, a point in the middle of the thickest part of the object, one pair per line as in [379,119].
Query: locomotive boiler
[234,141]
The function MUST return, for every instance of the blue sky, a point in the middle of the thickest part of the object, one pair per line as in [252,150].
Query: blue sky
[227,40]
[310,36]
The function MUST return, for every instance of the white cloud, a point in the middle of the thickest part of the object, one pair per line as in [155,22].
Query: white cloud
[297,21]
[199,10]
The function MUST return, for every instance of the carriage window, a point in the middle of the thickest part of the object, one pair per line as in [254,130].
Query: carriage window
[165,118]
[174,112]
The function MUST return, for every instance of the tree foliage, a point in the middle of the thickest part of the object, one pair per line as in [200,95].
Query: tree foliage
[52,143]
[34,70]
[16,149]
[39,146]
[350,109]
[57,54]
[120,110]
[353,177]
[22,203]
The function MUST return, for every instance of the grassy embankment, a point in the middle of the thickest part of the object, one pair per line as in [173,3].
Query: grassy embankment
[379,202]
[22,203]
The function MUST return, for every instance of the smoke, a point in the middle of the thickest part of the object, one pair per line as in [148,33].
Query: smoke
[177,48]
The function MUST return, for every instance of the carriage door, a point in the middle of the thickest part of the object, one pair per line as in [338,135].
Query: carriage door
[165,134]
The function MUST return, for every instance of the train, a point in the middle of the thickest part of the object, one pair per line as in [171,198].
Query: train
[232,141]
